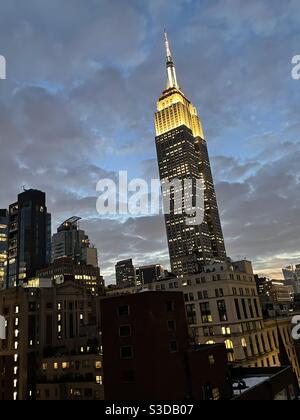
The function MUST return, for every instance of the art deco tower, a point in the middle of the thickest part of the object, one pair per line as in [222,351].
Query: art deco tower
[182,154]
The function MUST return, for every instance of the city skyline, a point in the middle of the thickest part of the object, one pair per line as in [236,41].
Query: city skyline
[106,95]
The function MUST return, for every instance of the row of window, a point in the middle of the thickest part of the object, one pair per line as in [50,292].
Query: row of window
[69,365]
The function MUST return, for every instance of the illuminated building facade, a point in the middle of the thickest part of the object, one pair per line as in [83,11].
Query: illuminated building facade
[3,245]
[29,237]
[182,154]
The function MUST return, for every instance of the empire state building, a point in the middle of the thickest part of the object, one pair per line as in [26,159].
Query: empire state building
[182,154]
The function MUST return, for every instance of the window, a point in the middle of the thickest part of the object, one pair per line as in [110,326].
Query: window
[205,294]
[208,331]
[229,345]
[99,380]
[191,314]
[206,313]
[125,331]
[211,359]
[226,331]
[128,376]
[45,366]
[171,325]
[126,352]
[219,293]
[244,309]
[200,295]
[123,310]
[170,306]
[216,394]
[237,308]
[66,365]
[173,346]
[222,311]
[98,364]
[55,366]
[250,308]
[256,308]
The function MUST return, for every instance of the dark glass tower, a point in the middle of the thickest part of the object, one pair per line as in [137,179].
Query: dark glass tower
[29,237]
[182,154]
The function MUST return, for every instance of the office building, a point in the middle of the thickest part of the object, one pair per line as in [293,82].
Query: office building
[72,242]
[29,237]
[291,276]
[150,273]
[182,154]
[125,273]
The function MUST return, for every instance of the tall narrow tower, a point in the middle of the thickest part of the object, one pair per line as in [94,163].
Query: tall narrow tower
[182,154]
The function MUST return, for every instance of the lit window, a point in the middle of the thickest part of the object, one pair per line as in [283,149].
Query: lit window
[216,394]
[98,365]
[66,365]
[244,343]
[211,359]
[45,366]
[99,380]
[229,344]
[55,365]
[17,309]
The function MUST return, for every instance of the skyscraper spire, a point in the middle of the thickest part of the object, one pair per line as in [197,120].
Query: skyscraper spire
[171,71]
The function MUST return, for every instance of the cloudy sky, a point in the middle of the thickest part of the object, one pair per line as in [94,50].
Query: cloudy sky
[83,78]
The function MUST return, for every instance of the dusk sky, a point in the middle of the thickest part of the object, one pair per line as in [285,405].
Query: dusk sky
[83,78]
